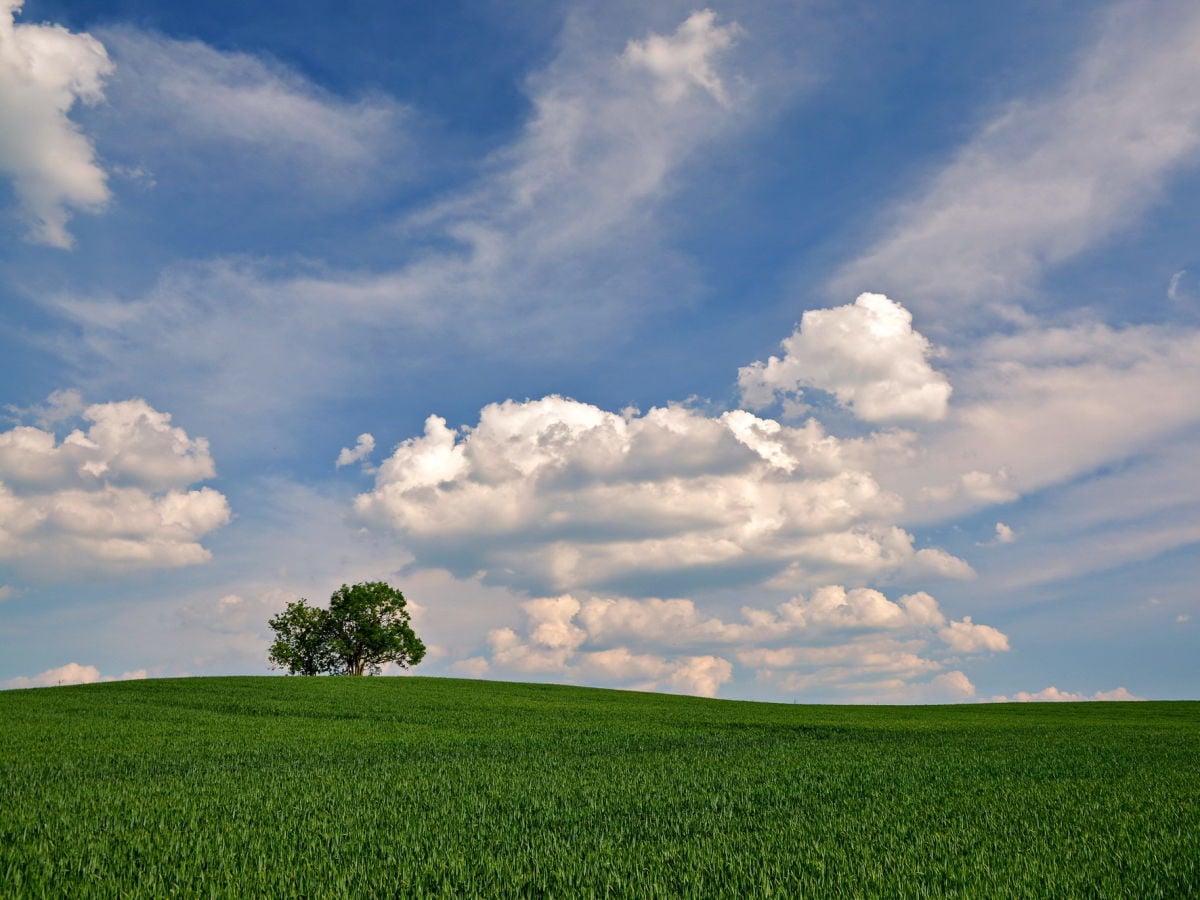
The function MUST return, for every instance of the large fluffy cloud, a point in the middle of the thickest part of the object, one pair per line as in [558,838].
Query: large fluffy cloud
[555,494]
[839,640]
[44,71]
[866,354]
[553,646]
[113,497]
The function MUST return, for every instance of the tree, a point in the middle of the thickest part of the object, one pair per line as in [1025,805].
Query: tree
[365,626]
[301,644]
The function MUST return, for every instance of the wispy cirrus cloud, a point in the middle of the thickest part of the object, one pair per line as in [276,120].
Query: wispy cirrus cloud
[557,236]
[182,110]
[1051,175]
[1045,405]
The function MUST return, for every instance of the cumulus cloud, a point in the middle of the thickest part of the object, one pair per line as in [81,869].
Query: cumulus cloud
[44,71]
[361,452]
[471,667]
[967,637]
[58,407]
[834,606]
[552,495]
[956,684]
[552,645]
[111,497]
[71,673]
[1050,176]
[838,638]
[555,494]
[1054,695]
[948,687]
[866,354]
[869,648]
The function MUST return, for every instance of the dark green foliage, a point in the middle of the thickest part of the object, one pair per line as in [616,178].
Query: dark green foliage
[365,626]
[301,641]
[415,787]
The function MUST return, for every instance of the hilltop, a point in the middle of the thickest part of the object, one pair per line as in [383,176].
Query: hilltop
[413,786]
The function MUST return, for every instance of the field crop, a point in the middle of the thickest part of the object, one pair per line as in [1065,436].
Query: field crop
[326,787]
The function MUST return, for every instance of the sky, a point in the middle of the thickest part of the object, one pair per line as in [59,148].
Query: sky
[801,352]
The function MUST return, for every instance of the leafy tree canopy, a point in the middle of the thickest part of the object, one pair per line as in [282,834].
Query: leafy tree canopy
[366,626]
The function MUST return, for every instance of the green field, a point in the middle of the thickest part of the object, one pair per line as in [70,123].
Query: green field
[290,787]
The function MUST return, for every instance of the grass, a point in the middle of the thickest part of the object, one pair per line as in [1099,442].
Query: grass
[278,787]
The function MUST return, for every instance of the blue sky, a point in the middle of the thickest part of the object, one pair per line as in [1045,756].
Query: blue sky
[808,351]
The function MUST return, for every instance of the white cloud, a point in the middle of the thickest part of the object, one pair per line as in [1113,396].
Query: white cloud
[289,541]
[834,606]
[1045,405]
[1054,695]
[967,637]
[71,673]
[361,452]
[955,683]
[684,60]
[172,99]
[670,622]
[878,661]
[128,442]
[702,675]
[948,687]
[44,71]
[555,249]
[552,645]
[1117,694]
[845,640]
[1173,292]
[59,406]
[1050,176]
[831,608]
[1127,513]
[866,354]
[987,487]
[867,648]
[471,667]
[112,497]
[554,494]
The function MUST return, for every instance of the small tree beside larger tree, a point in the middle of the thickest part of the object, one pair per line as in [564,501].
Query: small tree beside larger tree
[366,626]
